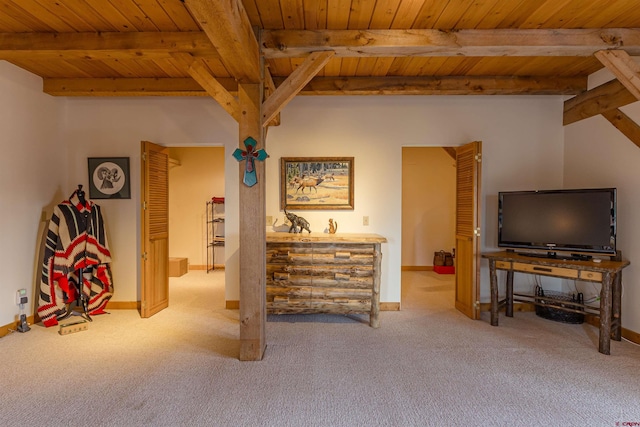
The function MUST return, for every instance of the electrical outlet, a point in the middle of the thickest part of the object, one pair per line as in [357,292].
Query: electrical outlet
[269,220]
[21,297]
[365,220]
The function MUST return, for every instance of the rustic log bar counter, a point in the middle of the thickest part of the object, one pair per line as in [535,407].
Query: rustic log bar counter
[606,272]
[324,273]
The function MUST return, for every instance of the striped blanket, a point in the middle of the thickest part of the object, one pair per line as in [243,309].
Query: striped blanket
[76,239]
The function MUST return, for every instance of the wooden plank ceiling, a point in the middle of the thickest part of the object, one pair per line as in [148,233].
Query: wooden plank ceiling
[158,47]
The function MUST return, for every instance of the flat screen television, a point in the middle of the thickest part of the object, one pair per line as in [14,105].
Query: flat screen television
[571,221]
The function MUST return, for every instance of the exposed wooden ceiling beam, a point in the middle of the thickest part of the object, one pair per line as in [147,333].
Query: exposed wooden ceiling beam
[132,45]
[293,43]
[626,70]
[185,86]
[329,86]
[624,124]
[426,42]
[228,27]
[445,86]
[294,84]
[598,100]
[202,75]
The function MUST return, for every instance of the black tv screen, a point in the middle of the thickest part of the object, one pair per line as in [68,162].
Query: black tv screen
[581,220]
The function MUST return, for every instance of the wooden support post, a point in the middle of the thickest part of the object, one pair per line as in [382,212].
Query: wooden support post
[253,311]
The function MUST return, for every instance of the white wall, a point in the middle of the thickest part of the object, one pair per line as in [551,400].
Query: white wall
[32,181]
[598,155]
[522,146]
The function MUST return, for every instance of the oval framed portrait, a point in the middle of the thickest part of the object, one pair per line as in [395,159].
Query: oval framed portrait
[109,178]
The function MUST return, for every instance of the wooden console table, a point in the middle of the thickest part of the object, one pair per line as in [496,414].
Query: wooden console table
[606,272]
[324,273]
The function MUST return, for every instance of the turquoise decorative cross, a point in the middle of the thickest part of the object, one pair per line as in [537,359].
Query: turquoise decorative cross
[250,155]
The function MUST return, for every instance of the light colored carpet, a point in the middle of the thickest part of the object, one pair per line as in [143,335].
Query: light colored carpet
[427,365]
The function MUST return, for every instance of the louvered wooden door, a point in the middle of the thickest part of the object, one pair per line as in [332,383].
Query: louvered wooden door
[155,229]
[468,228]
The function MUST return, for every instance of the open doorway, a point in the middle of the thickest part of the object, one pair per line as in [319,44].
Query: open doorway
[428,222]
[196,178]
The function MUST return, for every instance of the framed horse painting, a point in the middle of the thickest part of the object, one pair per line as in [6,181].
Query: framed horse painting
[316,183]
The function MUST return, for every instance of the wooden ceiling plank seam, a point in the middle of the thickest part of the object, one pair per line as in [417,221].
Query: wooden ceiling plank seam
[415,66]
[270,13]
[10,24]
[338,14]
[216,66]
[624,124]
[130,9]
[451,15]
[499,42]
[584,65]
[315,16]
[365,66]
[399,66]
[542,14]
[596,17]
[497,14]
[98,69]
[361,14]
[56,68]
[333,67]
[127,69]
[465,67]
[476,12]
[435,66]
[618,17]
[430,14]
[73,10]
[381,66]
[156,14]
[228,28]
[171,68]
[522,11]
[149,69]
[292,13]
[348,67]
[384,13]
[40,12]
[32,22]
[112,15]
[279,67]
[406,13]
[570,8]
[606,97]
[251,9]
[626,70]
[179,14]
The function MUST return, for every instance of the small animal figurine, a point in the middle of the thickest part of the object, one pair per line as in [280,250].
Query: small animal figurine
[333,227]
[297,223]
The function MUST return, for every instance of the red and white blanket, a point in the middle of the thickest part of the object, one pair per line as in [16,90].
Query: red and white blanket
[76,240]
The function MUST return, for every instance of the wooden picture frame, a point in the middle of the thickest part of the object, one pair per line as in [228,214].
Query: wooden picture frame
[329,181]
[109,178]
